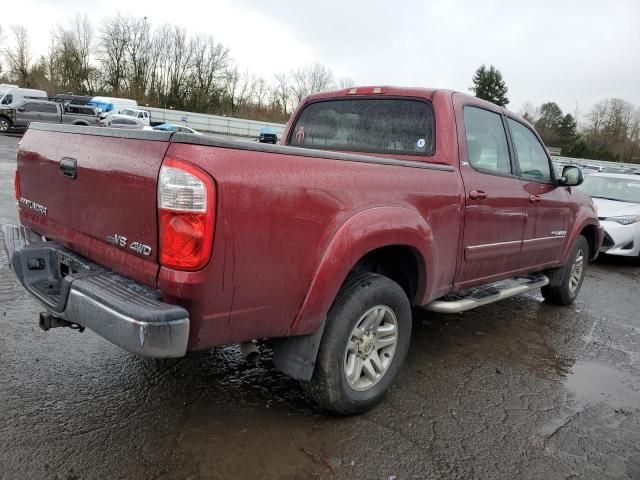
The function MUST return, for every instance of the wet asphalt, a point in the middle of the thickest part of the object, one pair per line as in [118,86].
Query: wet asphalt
[517,389]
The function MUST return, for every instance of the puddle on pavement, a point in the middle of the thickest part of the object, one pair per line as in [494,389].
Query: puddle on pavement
[594,382]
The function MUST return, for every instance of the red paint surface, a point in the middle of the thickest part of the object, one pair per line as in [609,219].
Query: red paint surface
[289,228]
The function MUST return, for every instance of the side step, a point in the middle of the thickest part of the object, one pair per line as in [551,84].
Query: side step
[478,296]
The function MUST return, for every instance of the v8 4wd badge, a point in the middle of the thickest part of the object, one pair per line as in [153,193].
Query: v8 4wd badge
[137,247]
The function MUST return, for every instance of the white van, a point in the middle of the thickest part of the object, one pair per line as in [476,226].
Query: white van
[111,105]
[11,94]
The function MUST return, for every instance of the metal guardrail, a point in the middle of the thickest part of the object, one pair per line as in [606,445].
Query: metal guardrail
[213,123]
[598,163]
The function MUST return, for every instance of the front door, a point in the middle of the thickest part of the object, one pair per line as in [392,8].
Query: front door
[27,113]
[496,204]
[548,212]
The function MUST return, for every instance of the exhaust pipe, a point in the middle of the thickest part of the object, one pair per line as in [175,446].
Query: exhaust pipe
[250,352]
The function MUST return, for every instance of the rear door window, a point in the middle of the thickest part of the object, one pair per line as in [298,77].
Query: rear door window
[45,108]
[487,146]
[530,154]
[395,126]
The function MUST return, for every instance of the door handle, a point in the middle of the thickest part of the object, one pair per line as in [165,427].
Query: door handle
[477,195]
[534,198]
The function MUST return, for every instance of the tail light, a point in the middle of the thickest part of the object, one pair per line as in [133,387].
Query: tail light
[16,185]
[186,215]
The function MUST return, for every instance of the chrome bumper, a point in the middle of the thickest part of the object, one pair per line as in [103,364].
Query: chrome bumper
[74,289]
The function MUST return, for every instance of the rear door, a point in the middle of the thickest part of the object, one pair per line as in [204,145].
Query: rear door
[98,192]
[495,205]
[50,112]
[549,209]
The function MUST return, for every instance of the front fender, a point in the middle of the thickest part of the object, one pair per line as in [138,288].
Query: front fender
[362,233]
[585,217]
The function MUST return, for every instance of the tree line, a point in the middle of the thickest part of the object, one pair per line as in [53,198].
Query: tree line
[609,131]
[164,66]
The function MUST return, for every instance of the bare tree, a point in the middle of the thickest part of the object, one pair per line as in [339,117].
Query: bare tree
[69,59]
[346,82]
[310,79]
[18,56]
[239,88]
[113,44]
[260,91]
[138,49]
[1,42]
[210,62]
[282,92]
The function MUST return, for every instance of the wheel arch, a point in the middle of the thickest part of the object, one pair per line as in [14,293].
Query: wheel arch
[369,238]
[369,241]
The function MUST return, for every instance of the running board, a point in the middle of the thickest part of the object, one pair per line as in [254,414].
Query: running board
[476,297]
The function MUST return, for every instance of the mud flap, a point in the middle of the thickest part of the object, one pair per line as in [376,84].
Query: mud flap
[296,356]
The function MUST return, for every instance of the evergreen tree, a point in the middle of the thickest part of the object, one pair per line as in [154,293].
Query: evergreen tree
[488,84]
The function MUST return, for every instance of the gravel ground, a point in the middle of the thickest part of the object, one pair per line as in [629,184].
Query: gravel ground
[517,389]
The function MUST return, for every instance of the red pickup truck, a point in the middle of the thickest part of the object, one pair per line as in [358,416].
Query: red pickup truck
[380,199]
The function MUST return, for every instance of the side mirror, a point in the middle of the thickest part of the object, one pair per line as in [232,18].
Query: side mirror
[571,176]
[21,109]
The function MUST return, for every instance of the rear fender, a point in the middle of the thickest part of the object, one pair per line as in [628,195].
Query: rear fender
[362,233]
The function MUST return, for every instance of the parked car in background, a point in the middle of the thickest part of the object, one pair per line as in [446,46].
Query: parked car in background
[142,115]
[170,127]
[28,111]
[268,135]
[590,169]
[123,122]
[617,197]
[11,95]
[71,98]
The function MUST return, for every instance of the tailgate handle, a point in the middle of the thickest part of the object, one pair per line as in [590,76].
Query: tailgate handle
[68,167]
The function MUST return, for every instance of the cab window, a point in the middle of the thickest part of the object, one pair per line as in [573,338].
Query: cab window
[486,141]
[7,99]
[530,154]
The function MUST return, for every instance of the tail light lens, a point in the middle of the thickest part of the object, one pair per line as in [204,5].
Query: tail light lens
[186,215]
[16,185]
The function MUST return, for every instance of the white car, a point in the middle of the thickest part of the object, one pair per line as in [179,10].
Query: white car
[617,197]
[141,115]
[123,121]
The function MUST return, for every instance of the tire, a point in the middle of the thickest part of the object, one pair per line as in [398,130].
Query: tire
[565,291]
[359,342]
[5,124]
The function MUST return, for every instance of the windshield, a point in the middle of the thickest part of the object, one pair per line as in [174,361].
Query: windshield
[612,188]
[378,125]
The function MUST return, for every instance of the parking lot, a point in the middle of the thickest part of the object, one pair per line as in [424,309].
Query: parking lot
[517,389]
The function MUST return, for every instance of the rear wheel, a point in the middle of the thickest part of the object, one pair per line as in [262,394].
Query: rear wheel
[5,124]
[363,346]
[565,290]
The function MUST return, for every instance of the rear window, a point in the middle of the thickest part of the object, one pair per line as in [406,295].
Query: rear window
[397,126]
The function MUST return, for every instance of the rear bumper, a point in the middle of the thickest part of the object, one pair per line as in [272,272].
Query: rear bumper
[74,289]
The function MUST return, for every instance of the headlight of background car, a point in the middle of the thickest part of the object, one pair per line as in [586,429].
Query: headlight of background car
[625,220]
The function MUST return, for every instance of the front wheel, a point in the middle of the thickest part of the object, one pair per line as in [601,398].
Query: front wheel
[364,344]
[564,289]
[5,124]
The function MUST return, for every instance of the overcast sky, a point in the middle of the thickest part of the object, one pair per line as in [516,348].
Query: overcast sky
[570,52]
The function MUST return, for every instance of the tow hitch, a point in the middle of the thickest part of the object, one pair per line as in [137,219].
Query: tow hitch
[48,321]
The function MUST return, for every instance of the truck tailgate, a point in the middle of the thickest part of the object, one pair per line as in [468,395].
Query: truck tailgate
[105,209]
